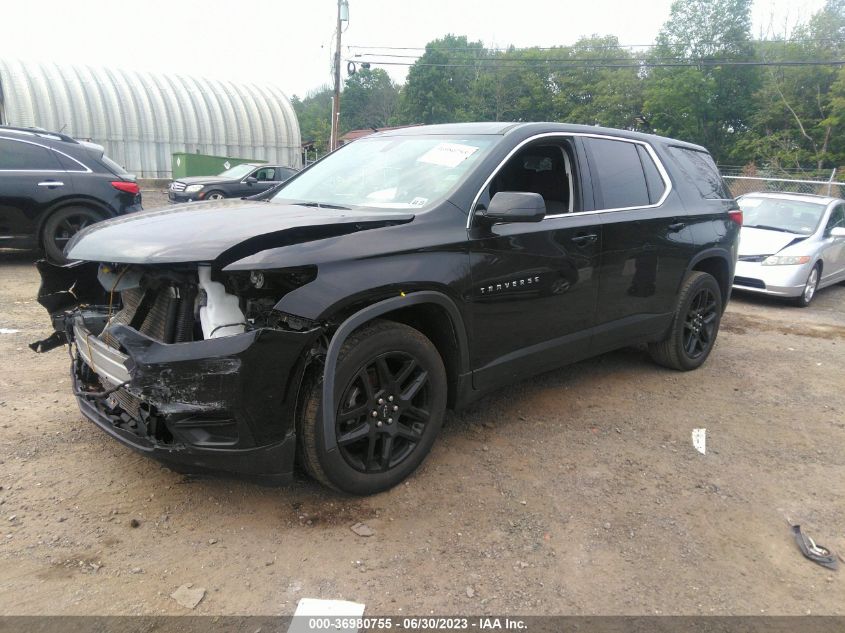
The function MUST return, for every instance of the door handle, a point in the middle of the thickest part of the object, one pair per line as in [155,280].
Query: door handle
[677,226]
[51,183]
[583,240]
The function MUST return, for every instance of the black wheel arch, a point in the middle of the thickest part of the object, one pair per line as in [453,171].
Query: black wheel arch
[425,310]
[715,262]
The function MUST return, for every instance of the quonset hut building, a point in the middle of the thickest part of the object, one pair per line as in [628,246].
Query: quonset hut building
[142,118]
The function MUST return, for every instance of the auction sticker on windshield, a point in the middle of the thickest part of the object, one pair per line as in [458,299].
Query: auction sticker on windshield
[447,154]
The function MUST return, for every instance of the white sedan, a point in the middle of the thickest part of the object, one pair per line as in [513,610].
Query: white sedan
[791,245]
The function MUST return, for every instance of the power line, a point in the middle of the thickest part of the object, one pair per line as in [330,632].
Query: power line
[492,63]
[600,47]
[564,60]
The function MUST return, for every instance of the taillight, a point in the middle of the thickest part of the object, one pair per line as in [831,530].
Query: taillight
[736,216]
[128,187]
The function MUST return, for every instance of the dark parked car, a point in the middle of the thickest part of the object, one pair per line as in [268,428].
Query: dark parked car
[408,272]
[52,185]
[246,179]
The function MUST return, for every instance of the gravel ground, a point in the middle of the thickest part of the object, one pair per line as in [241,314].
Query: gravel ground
[153,198]
[578,492]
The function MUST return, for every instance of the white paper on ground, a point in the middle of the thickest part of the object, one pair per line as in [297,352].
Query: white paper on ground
[699,440]
[309,608]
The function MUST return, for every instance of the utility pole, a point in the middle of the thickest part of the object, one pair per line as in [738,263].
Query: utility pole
[342,16]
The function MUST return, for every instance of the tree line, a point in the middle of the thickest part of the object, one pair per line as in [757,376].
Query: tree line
[774,103]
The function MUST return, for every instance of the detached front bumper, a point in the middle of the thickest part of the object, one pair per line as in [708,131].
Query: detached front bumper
[224,404]
[778,281]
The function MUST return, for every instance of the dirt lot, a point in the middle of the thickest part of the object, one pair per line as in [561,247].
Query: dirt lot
[575,493]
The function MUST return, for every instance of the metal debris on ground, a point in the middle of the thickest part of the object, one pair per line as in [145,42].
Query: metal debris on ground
[816,553]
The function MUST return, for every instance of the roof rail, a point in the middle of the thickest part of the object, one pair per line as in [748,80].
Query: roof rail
[38,131]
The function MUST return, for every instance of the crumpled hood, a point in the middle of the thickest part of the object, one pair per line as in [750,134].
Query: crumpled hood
[764,242]
[220,229]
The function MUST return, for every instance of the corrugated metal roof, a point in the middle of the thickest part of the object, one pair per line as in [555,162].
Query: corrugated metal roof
[142,118]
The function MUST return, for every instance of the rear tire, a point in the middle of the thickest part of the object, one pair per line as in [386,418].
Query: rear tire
[811,287]
[695,325]
[385,368]
[61,226]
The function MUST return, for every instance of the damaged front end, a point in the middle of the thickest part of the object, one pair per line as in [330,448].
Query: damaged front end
[190,365]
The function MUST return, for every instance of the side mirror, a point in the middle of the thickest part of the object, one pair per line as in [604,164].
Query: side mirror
[251,180]
[837,231]
[515,206]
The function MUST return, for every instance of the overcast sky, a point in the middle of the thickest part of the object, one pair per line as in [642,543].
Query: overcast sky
[289,42]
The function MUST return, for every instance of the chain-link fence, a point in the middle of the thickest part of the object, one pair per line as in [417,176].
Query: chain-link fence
[820,182]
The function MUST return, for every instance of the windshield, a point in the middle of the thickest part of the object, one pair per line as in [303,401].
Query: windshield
[238,171]
[779,214]
[399,172]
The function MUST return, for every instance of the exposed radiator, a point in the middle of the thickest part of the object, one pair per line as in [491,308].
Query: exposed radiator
[164,314]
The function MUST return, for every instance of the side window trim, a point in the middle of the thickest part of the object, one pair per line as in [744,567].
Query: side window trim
[664,175]
[648,181]
[567,165]
[85,169]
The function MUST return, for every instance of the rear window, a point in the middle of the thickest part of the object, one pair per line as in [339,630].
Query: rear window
[113,166]
[700,169]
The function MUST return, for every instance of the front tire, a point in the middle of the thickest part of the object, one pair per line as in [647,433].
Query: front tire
[61,226]
[215,195]
[695,325]
[811,286]
[390,390]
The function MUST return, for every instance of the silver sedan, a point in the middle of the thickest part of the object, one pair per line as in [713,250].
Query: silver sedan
[791,245]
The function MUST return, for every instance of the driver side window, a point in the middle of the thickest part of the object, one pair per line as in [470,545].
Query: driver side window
[265,174]
[545,168]
[837,218]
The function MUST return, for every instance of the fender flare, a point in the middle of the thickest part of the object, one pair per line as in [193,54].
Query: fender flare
[709,254]
[364,315]
[720,253]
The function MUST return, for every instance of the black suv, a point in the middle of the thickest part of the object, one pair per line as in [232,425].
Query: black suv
[405,273]
[52,185]
[246,179]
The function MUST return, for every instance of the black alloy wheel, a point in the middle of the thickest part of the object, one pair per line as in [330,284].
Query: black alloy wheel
[62,226]
[383,412]
[695,324]
[700,324]
[390,392]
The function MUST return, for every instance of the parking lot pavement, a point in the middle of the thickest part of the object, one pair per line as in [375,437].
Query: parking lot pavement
[576,492]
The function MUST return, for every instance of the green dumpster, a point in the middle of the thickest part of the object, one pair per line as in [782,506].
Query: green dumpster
[186,164]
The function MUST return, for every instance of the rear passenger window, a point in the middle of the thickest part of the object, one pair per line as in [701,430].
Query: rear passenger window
[15,155]
[618,171]
[653,180]
[700,169]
